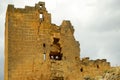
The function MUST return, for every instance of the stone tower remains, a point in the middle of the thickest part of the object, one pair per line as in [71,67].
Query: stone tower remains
[36,49]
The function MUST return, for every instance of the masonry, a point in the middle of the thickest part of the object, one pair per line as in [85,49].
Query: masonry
[36,49]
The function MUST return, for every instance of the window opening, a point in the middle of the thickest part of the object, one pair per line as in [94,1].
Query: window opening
[98,66]
[81,70]
[57,57]
[41,16]
[40,6]
[44,45]
[44,56]
[52,57]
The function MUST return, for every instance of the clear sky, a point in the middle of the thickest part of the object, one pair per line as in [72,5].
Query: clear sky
[96,24]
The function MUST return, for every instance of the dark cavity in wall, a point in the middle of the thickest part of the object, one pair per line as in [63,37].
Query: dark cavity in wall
[55,56]
[56,40]
[55,53]
[81,69]
[44,45]
[98,66]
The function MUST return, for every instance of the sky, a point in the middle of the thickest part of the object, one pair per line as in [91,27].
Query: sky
[96,24]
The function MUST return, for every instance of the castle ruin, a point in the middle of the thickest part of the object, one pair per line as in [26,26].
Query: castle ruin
[36,49]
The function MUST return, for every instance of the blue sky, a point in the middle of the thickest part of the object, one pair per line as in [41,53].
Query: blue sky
[96,23]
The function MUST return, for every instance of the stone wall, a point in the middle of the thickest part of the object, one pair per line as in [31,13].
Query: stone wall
[92,68]
[36,49]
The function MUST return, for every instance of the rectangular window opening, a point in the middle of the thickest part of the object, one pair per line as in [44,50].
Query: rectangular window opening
[41,16]
[44,56]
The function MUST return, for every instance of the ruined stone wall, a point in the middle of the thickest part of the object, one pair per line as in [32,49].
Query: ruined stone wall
[92,68]
[36,49]
[33,43]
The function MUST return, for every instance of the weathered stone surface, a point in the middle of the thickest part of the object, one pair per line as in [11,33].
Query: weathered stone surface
[112,74]
[36,49]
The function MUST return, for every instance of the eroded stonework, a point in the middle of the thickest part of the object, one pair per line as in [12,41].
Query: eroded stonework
[36,49]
